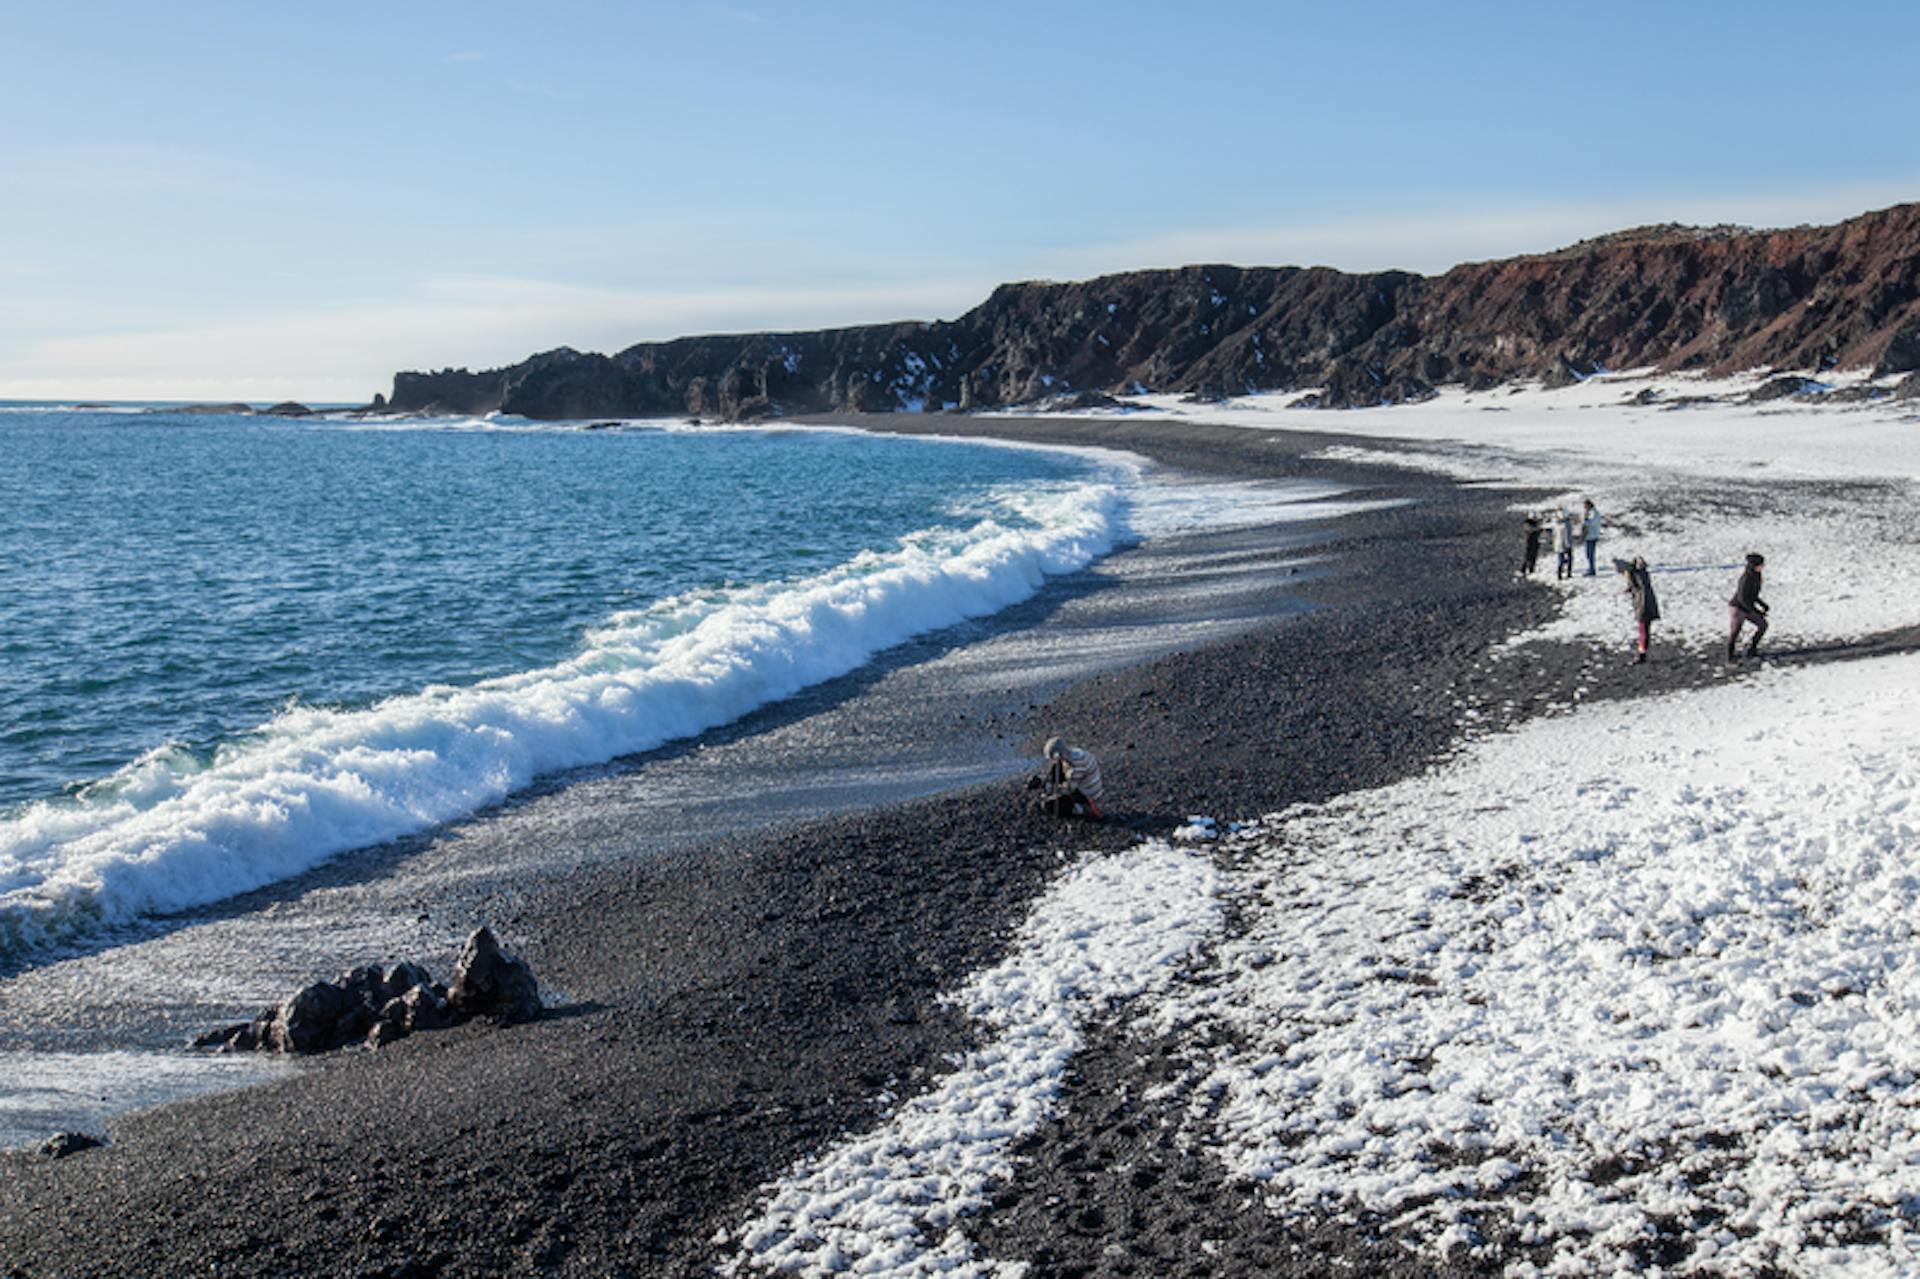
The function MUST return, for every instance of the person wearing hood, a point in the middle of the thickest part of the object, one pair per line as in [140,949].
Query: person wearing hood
[1746,608]
[1562,544]
[1071,786]
[1532,556]
[1646,608]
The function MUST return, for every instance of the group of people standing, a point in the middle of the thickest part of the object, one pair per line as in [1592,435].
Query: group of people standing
[1746,608]
[1070,786]
[1568,530]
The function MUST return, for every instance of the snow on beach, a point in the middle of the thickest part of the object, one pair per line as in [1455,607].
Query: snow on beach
[1628,989]
[1827,493]
[1641,982]
[1638,987]
[888,1202]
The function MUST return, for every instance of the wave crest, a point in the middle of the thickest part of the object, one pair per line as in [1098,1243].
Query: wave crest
[173,831]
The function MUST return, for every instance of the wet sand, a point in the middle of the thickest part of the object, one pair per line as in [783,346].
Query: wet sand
[728,1003]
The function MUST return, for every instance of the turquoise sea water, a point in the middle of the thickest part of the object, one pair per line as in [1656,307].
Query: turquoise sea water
[234,646]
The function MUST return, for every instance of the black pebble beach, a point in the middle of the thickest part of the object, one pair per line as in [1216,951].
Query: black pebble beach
[728,1007]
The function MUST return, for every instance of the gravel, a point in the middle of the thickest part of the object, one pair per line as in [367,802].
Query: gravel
[730,1006]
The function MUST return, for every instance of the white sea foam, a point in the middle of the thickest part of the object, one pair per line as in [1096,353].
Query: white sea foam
[49,1092]
[128,409]
[173,831]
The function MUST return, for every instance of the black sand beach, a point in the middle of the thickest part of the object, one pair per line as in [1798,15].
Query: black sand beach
[728,1006]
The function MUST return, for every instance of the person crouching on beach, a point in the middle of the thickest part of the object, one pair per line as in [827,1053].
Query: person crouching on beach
[1071,785]
[1747,608]
[1562,544]
[1646,609]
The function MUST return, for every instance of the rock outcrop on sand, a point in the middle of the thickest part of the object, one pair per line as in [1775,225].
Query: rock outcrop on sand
[376,1006]
[1710,299]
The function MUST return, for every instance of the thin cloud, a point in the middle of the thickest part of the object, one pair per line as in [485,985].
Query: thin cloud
[478,321]
[345,354]
[467,55]
[1432,240]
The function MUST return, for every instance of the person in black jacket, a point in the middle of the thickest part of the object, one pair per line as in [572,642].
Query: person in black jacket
[1746,607]
[1532,557]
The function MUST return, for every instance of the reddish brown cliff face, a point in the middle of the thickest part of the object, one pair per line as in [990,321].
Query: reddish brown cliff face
[1716,300]
[1806,299]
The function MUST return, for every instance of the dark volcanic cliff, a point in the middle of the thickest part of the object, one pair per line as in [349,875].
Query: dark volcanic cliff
[1717,300]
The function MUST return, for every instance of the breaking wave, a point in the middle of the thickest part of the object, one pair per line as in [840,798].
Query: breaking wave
[176,830]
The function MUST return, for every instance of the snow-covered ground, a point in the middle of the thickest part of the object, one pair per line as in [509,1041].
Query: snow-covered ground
[888,1202]
[1830,494]
[1637,984]
[1614,969]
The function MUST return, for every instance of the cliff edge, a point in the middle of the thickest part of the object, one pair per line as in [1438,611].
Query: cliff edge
[1717,300]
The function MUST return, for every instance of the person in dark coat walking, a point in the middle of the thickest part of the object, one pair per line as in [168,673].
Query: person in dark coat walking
[1534,529]
[1747,608]
[1646,608]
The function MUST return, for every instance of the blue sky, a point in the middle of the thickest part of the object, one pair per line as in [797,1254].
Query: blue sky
[262,201]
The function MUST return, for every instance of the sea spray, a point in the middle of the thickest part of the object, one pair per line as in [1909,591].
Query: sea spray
[177,830]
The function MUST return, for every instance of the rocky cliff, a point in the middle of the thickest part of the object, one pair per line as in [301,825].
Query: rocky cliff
[1713,299]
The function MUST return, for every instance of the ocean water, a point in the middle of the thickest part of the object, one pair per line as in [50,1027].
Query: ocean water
[236,647]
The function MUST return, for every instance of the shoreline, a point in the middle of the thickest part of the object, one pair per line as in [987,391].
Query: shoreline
[735,1004]
[277,934]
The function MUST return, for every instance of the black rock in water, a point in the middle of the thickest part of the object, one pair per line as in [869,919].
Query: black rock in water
[403,977]
[209,410]
[310,1019]
[422,1008]
[376,1006]
[244,1037]
[489,982]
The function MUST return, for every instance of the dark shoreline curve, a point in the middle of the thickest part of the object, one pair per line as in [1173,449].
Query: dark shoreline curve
[743,1002]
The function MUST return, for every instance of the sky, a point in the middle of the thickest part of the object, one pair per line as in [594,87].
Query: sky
[262,201]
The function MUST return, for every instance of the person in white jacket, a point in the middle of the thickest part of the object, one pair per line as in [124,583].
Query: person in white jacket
[1562,544]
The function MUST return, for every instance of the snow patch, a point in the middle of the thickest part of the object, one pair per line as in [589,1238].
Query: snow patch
[891,1201]
[1647,968]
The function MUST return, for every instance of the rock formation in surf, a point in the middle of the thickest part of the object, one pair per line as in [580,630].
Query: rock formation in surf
[376,1006]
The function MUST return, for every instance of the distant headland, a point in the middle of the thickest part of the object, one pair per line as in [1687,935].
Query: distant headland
[1713,300]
